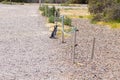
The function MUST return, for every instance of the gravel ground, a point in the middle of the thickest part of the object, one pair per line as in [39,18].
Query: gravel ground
[106,62]
[26,52]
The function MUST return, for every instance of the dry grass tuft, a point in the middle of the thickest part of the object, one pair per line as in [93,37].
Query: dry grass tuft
[74,13]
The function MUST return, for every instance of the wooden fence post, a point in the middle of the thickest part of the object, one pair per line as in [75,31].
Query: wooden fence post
[93,49]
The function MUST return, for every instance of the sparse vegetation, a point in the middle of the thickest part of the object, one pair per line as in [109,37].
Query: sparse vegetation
[74,13]
[6,2]
[112,24]
[78,1]
[104,10]
[67,21]
[51,19]
[50,13]
[65,4]
[13,2]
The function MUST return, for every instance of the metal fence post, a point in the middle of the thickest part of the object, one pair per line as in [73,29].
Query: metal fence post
[93,49]
[63,29]
[74,46]
[39,3]
[45,10]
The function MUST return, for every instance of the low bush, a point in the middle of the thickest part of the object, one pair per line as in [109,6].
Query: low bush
[42,8]
[105,10]
[51,19]
[6,2]
[67,21]
[50,13]
[46,11]
[112,13]
[80,16]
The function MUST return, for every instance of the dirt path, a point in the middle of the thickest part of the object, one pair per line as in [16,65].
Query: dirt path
[26,52]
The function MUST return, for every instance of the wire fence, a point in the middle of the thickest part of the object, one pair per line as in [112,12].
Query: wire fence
[74,55]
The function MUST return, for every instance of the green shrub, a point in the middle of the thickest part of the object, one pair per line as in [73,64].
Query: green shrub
[97,17]
[65,4]
[43,13]
[6,2]
[104,10]
[67,21]
[51,19]
[52,11]
[80,16]
[46,11]
[42,8]
[112,13]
